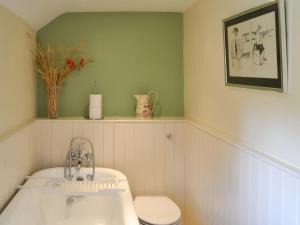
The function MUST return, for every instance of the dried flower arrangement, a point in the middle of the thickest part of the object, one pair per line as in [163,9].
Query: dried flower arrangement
[53,66]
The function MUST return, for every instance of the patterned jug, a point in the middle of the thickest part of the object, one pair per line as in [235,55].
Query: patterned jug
[145,105]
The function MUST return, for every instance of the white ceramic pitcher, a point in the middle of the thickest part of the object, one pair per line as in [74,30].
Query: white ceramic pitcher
[145,105]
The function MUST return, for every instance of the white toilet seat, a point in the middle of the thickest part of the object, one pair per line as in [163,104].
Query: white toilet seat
[156,210]
[144,223]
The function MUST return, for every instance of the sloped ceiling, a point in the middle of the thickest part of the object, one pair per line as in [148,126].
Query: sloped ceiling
[40,12]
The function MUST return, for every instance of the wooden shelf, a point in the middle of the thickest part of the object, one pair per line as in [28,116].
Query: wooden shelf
[120,120]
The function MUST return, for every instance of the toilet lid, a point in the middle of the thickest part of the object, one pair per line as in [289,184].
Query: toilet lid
[158,210]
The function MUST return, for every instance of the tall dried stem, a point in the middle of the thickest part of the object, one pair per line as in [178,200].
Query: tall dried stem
[53,66]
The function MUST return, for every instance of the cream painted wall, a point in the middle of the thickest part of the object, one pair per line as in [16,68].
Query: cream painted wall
[17,77]
[19,151]
[264,120]
[20,156]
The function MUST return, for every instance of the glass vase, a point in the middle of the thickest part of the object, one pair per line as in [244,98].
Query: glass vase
[53,93]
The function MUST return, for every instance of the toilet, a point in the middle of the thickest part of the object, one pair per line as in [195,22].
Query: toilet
[156,210]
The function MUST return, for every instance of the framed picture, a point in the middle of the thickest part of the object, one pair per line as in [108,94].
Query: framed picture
[255,48]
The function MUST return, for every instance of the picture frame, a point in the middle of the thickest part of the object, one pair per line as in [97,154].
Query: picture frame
[255,48]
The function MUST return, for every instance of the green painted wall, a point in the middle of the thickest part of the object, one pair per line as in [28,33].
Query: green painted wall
[133,53]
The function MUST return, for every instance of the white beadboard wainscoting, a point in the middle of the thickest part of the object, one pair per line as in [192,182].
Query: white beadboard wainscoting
[149,153]
[229,185]
[19,157]
[213,180]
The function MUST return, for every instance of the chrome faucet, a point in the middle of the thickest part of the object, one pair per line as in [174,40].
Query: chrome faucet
[78,156]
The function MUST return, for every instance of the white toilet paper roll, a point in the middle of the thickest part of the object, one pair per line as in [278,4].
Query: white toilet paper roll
[95,113]
[95,107]
[95,100]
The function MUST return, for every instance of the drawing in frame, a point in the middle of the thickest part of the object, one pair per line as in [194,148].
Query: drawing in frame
[255,48]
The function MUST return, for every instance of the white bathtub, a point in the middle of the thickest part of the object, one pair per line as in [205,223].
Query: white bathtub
[38,207]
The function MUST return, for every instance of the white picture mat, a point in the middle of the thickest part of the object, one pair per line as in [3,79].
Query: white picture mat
[252,49]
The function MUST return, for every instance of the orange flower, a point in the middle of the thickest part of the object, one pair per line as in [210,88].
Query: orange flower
[82,62]
[71,64]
